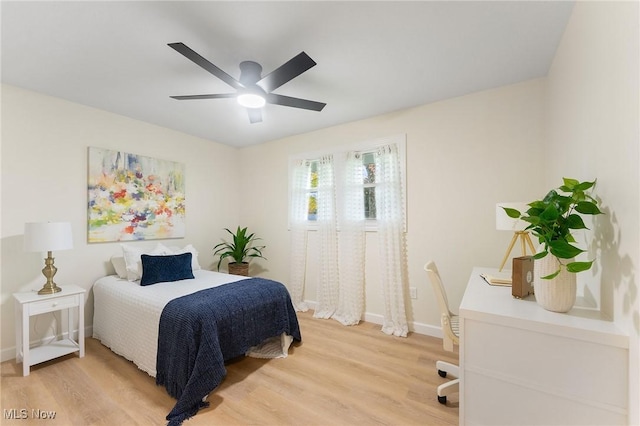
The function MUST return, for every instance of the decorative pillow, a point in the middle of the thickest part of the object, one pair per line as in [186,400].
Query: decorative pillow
[133,261]
[120,266]
[165,268]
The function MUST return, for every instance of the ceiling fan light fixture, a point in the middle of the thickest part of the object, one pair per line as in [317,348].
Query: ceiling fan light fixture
[251,100]
[254,90]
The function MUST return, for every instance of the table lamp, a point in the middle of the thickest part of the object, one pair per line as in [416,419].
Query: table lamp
[48,236]
[506,223]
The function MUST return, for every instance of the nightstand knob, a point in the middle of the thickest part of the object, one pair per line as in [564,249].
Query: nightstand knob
[54,304]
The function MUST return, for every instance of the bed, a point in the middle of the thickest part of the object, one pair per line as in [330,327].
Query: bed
[181,332]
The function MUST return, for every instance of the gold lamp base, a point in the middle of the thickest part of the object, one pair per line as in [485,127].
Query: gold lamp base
[525,240]
[49,289]
[49,271]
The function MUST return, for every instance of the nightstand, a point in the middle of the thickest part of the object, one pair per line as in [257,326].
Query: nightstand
[31,303]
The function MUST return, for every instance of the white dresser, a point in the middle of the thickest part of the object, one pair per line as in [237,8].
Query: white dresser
[521,364]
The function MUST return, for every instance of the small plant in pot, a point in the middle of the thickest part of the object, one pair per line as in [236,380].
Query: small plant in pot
[240,249]
[551,220]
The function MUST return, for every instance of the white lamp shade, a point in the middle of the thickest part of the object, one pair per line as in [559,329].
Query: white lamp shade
[506,223]
[47,236]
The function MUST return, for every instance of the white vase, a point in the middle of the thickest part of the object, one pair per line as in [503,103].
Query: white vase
[557,294]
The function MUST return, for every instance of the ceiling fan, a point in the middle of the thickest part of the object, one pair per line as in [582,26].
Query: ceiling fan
[253,90]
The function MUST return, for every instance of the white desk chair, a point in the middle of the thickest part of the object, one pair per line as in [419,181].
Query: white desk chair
[450,332]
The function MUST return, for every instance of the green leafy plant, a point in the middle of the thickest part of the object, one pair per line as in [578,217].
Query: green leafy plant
[552,219]
[240,248]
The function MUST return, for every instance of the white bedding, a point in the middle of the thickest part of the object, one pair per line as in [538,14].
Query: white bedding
[126,315]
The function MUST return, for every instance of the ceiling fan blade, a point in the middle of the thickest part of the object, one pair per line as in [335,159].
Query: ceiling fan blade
[272,98]
[255,115]
[286,72]
[216,96]
[202,62]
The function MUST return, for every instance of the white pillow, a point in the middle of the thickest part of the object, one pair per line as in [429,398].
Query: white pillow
[194,256]
[187,249]
[120,266]
[132,258]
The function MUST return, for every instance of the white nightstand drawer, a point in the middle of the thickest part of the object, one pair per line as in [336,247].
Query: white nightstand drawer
[53,304]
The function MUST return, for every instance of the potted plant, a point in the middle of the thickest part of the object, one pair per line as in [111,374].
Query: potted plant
[552,220]
[239,250]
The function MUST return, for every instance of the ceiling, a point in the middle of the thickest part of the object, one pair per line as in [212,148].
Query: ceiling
[373,57]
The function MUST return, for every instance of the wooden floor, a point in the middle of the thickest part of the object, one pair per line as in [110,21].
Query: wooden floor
[337,376]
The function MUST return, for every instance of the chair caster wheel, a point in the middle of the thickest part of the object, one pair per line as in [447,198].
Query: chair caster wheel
[442,373]
[442,399]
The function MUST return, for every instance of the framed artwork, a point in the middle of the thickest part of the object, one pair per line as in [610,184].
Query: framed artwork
[133,197]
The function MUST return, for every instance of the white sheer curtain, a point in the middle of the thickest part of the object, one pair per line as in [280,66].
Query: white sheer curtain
[352,243]
[300,179]
[329,281]
[341,257]
[391,239]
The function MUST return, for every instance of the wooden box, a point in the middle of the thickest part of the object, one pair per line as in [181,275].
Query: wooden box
[522,277]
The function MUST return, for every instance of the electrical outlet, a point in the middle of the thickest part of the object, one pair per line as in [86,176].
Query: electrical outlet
[413,292]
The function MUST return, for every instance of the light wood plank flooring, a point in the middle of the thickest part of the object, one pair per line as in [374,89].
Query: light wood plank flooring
[338,376]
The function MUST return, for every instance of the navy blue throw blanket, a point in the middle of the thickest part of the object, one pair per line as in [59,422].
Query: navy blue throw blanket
[200,331]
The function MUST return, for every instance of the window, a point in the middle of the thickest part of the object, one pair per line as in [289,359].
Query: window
[368,187]
[369,184]
[312,204]
[370,181]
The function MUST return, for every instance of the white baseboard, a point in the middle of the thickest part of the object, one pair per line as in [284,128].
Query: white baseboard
[416,327]
[10,353]
[7,354]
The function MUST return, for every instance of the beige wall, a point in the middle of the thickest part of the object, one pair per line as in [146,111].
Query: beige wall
[593,132]
[44,175]
[463,156]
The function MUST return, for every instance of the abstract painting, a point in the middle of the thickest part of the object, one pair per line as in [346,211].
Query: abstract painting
[133,197]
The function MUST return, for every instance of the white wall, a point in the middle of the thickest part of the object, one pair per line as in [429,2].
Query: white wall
[463,156]
[593,132]
[44,178]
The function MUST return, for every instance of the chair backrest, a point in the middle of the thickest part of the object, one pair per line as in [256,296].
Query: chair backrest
[448,321]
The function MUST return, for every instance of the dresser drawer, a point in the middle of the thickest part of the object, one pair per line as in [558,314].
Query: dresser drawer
[53,304]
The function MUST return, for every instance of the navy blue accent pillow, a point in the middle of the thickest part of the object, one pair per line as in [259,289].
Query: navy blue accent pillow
[160,269]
